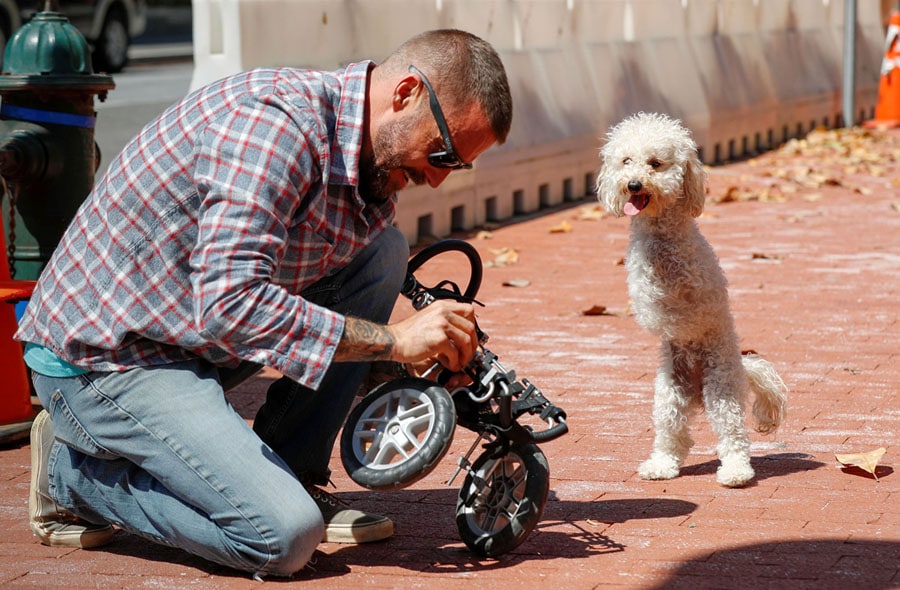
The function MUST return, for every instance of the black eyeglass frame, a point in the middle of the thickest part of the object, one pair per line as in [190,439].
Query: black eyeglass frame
[448,158]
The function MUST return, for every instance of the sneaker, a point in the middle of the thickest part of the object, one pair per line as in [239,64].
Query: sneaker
[53,525]
[346,525]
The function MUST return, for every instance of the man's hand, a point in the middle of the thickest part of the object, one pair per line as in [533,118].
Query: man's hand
[445,330]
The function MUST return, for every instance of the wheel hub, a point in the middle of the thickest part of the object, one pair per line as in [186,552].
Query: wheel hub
[500,493]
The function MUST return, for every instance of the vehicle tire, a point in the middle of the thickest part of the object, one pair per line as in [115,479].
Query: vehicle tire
[5,34]
[502,499]
[111,47]
[396,434]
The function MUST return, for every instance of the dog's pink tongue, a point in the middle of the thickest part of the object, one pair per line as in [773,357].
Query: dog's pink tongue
[631,209]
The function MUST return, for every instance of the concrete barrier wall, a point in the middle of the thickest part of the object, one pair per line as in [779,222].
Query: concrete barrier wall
[744,75]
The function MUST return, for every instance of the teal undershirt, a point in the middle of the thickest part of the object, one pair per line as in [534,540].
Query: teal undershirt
[44,361]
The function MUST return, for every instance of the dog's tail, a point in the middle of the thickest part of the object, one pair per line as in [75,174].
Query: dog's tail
[770,392]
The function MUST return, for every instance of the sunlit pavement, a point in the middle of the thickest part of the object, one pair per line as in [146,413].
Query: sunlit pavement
[809,237]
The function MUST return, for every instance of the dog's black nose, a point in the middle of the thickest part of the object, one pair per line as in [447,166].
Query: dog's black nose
[634,185]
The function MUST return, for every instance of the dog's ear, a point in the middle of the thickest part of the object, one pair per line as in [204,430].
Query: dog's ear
[606,190]
[694,185]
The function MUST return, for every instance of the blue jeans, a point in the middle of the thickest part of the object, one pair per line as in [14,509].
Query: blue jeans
[367,289]
[159,452]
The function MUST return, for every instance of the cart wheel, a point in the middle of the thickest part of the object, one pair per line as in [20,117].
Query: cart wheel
[502,499]
[397,433]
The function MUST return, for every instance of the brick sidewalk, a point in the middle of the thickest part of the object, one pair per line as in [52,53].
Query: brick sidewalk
[815,279]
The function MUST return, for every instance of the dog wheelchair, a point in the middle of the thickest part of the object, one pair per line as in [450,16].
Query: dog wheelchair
[399,431]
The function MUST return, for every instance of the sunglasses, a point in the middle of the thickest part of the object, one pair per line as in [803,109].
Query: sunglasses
[447,158]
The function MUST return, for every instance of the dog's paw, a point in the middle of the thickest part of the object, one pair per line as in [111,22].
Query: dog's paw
[734,473]
[659,468]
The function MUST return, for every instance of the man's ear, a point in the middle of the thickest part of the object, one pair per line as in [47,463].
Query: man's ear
[406,91]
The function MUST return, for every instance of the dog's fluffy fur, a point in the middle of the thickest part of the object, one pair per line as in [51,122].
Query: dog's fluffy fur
[651,172]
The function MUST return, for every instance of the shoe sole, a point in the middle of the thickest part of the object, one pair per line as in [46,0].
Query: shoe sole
[377,531]
[84,539]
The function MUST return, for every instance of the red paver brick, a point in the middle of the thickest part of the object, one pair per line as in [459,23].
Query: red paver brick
[815,286]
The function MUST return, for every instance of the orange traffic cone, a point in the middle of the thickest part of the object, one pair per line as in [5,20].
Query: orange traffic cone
[887,111]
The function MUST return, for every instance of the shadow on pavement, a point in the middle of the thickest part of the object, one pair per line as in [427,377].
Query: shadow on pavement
[427,538]
[766,466]
[823,563]
[427,543]
[435,547]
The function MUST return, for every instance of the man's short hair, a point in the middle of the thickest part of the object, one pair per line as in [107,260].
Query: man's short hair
[461,67]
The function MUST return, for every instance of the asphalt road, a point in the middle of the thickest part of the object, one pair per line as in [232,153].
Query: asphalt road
[142,91]
[159,73]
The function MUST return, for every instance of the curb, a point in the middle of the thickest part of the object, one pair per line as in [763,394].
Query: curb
[139,53]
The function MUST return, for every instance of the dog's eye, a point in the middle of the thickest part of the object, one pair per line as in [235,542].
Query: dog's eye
[655,163]
[626,161]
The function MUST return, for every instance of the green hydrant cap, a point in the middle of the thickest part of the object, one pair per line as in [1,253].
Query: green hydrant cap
[49,50]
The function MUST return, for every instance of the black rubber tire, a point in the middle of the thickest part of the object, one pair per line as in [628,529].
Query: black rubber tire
[110,53]
[498,515]
[382,452]
[4,35]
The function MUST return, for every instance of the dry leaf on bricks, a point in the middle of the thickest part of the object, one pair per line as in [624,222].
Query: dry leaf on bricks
[591,213]
[735,193]
[763,256]
[868,462]
[503,257]
[562,227]
[516,283]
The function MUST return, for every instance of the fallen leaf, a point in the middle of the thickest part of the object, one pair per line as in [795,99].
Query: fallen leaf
[733,194]
[516,283]
[562,227]
[596,310]
[762,256]
[503,257]
[865,461]
[591,213]
[484,235]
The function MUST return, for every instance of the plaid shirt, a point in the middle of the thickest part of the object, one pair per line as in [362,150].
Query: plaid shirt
[208,225]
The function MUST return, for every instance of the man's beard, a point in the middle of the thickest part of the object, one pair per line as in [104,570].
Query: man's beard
[374,179]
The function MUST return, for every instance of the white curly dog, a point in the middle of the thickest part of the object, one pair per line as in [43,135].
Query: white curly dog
[651,172]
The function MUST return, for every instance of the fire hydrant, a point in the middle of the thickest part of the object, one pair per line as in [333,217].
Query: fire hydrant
[48,156]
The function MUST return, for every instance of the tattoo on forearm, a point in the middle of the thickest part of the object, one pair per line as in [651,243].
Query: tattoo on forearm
[364,341]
